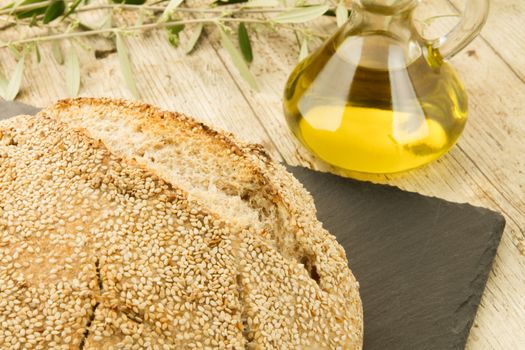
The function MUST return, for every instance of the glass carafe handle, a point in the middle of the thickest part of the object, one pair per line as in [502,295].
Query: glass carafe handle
[465,31]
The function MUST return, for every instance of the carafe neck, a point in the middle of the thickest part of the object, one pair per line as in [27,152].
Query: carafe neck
[394,23]
[386,7]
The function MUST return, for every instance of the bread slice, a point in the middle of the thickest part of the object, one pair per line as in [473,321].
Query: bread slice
[241,184]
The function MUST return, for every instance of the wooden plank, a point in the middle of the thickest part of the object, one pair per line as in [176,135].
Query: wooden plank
[504,32]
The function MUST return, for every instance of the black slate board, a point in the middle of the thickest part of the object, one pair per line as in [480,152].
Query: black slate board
[422,262]
[10,109]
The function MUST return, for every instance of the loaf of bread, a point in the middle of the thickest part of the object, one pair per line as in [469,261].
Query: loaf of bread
[126,227]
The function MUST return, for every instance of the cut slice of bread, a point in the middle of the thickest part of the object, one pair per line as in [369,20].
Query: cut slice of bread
[241,184]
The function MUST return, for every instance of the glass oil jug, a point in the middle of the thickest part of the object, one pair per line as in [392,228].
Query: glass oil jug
[377,97]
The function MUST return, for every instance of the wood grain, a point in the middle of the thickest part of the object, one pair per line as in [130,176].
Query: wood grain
[504,32]
[486,168]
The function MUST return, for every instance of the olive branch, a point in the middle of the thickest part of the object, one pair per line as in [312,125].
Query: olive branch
[51,22]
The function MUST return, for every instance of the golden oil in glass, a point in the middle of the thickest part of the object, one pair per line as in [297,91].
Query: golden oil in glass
[374,103]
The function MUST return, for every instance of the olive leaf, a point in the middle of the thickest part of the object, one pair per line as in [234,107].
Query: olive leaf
[341,14]
[3,84]
[174,34]
[195,35]
[244,43]
[72,65]
[71,8]
[129,2]
[57,52]
[172,5]
[301,14]
[125,65]
[15,51]
[13,86]
[237,59]
[304,50]
[54,10]
[106,22]
[33,12]
[262,3]
[33,20]
[37,52]
[228,2]
[140,18]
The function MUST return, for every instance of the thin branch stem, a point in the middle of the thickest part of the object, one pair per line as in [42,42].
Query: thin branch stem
[104,31]
[145,7]
[179,9]
[9,20]
[28,7]
[27,22]
[150,26]
[7,26]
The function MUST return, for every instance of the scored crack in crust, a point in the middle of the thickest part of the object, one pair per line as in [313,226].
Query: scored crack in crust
[276,302]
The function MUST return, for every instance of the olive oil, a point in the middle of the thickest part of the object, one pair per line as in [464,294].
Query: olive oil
[375,104]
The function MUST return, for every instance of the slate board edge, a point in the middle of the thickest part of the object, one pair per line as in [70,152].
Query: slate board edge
[481,280]
[480,208]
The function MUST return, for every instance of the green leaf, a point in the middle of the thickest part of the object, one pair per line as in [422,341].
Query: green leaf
[15,51]
[129,2]
[304,50]
[33,20]
[13,87]
[341,14]
[125,65]
[55,10]
[72,65]
[301,14]
[106,22]
[262,3]
[172,5]
[30,13]
[140,18]
[195,35]
[57,52]
[237,59]
[71,8]
[228,2]
[3,84]
[174,34]
[244,43]
[37,53]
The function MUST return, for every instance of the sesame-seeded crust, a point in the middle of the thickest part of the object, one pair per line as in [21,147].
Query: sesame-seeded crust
[126,257]
[320,248]
[318,308]
[43,259]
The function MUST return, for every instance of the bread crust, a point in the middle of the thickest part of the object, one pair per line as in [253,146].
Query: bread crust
[292,229]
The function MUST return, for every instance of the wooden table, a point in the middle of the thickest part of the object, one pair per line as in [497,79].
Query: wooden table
[486,168]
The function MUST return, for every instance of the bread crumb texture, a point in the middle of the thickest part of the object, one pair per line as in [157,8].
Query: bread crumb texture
[102,247]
